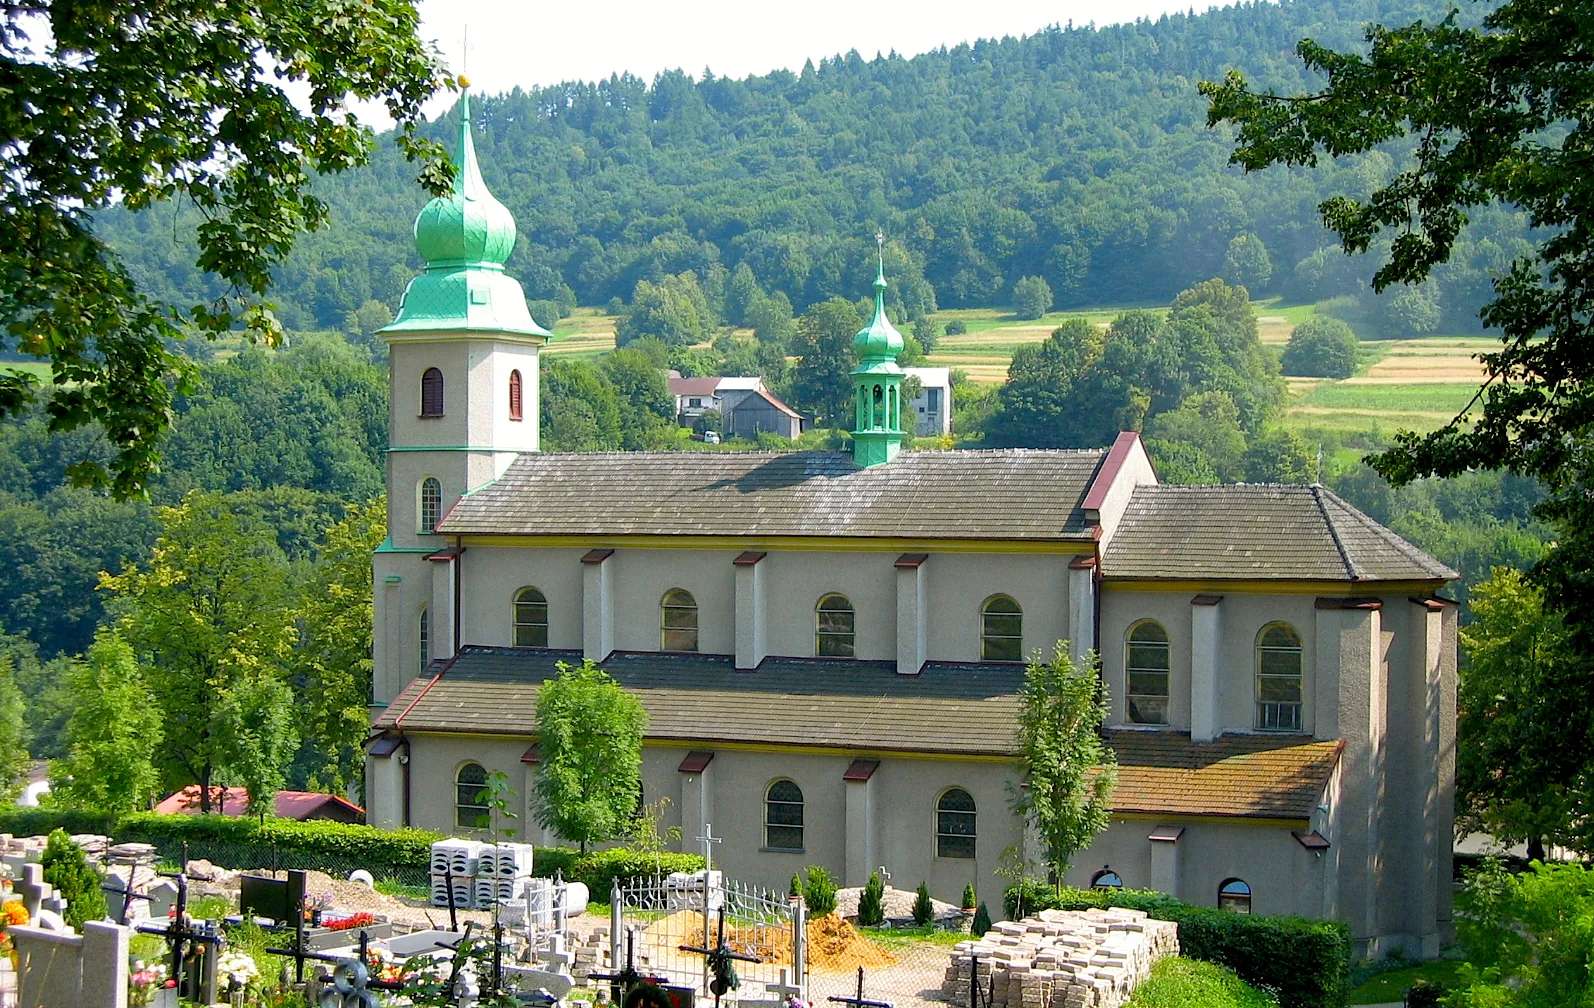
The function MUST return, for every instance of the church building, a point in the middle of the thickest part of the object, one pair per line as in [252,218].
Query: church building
[829,645]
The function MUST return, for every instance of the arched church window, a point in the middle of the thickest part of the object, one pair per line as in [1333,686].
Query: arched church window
[531,618]
[783,816]
[678,620]
[432,393]
[834,624]
[470,797]
[514,395]
[1146,673]
[425,638]
[1278,678]
[1106,879]
[954,824]
[431,504]
[1234,894]
[1001,630]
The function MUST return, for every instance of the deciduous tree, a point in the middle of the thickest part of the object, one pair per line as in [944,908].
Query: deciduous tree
[111,734]
[822,380]
[590,732]
[1069,774]
[1032,297]
[333,658]
[1511,707]
[1321,347]
[209,611]
[229,106]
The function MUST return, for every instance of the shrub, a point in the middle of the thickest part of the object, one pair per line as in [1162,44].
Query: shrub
[969,897]
[1178,982]
[923,909]
[1305,961]
[599,869]
[796,884]
[872,902]
[820,892]
[69,871]
[1321,347]
[982,921]
[957,327]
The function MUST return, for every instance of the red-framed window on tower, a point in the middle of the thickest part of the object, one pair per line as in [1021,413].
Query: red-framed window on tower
[432,393]
[514,395]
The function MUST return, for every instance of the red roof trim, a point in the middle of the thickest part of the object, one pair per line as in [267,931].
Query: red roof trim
[425,690]
[1167,834]
[861,770]
[446,554]
[1116,456]
[749,557]
[696,761]
[1430,604]
[1206,600]
[1312,841]
[597,556]
[533,753]
[911,560]
[1082,563]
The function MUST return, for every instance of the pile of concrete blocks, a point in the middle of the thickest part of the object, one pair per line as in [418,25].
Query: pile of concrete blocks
[590,954]
[1060,959]
[502,871]
[453,869]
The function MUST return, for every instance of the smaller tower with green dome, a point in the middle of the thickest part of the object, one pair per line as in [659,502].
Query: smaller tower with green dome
[877,382]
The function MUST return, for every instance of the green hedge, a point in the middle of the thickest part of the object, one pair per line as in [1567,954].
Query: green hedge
[292,843]
[1305,961]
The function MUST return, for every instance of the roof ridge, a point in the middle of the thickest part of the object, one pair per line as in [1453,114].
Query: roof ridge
[1339,544]
[1399,542]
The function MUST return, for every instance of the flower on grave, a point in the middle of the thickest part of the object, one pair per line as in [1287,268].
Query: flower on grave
[796,1002]
[13,912]
[381,963]
[143,982]
[238,967]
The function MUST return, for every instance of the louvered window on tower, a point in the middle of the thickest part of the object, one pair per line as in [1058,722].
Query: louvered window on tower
[514,395]
[432,393]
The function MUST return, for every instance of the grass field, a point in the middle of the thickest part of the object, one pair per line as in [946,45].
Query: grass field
[39,369]
[1387,987]
[587,333]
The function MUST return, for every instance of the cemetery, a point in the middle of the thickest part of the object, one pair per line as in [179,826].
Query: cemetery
[494,932]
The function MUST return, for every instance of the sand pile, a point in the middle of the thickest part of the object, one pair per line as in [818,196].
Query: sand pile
[835,945]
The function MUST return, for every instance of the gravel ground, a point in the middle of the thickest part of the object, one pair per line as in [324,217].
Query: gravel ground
[914,982]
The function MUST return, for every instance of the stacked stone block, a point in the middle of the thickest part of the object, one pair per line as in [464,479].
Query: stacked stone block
[1060,959]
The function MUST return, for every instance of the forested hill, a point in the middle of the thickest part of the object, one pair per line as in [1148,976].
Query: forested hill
[1076,154]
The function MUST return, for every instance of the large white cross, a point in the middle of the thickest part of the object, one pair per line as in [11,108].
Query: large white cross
[556,958]
[707,839]
[785,988]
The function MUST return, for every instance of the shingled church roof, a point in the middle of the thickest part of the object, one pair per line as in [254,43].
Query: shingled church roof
[964,709]
[1258,531]
[1012,494]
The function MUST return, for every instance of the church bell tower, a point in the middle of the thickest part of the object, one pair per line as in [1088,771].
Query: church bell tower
[877,383]
[462,391]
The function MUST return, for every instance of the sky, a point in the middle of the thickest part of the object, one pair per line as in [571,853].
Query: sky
[525,42]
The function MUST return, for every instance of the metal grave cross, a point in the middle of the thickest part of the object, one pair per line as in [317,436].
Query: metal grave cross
[860,1001]
[885,876]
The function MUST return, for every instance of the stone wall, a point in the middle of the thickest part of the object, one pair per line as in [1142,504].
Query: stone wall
[1060,959]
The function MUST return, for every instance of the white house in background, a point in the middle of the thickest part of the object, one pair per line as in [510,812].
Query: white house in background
[932,408]
[744,404]
[696,396]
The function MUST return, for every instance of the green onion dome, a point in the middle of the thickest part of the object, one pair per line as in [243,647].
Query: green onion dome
[468,226]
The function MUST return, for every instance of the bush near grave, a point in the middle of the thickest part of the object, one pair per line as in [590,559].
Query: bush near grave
[379,850]
[1305,961]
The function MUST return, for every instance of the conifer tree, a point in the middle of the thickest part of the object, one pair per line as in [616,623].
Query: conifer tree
[982,921]
[70,873]
[871,902]
[923,909]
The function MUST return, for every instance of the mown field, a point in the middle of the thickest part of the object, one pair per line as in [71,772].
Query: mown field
[1414,384]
